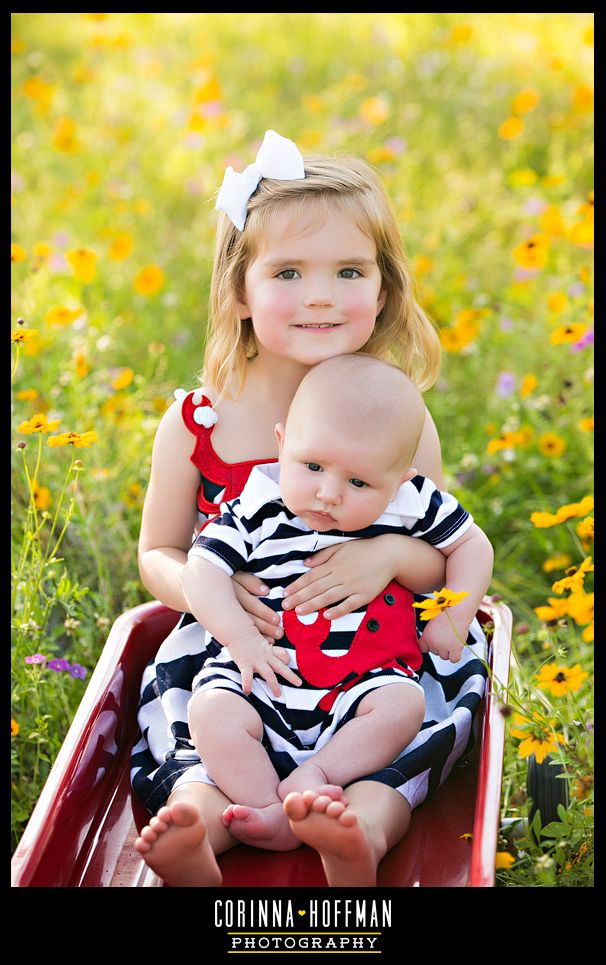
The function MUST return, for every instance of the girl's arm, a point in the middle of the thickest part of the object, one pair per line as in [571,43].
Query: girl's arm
[211,598]
[169,511]
[468,568]
[427,460]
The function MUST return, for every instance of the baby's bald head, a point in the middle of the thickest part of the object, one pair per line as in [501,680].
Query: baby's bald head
[361,395]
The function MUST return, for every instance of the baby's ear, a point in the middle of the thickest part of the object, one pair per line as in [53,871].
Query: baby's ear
[279,431]
[409,475]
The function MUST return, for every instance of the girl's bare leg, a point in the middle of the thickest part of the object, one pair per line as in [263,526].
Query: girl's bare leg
[351,839]
[181,842]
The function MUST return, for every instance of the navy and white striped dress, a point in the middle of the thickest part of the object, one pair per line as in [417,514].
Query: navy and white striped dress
[164,756]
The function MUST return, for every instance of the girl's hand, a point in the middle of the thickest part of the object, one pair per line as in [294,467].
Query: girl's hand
[248,589]
[254,655]
[353,573]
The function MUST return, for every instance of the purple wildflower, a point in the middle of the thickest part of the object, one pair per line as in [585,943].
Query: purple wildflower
[59,664]
[506,383]
[36,658]
[77,670]
[583,342]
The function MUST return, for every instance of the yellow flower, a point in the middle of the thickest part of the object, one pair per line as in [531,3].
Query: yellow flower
[551,444]
[60,315]
[121,246]
[14,728]
[509,440]
[523,177]
[533,252]
[18,252]
[64,138]
[551,221]
[586,425]
[581,233]
[374,110]
[580,607]
[84,263]
[575,576]
[567,334]
[123,379]
[82,369]
[504,859]
[585,531]
[556,562]
[25,395]
[423,264]
[150,280]
[557,302]
[570,510]
[511,128]
[538,737]
[582,98]
[80,440]
[23,334]
[557,609]
[587,633]
[528,384]
[39,91]
[42,495]
[38,423]
[444,598]
[525,101]
[560,680]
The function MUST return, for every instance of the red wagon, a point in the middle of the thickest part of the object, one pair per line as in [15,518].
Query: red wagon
[82,830]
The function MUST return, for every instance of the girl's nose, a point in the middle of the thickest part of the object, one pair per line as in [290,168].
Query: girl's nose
[319,295]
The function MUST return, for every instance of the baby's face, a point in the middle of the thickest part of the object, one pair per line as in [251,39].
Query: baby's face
[335,480]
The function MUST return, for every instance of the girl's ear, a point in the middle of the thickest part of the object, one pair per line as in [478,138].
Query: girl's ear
[279,431]
[243,309]
[381,300]
[412,472]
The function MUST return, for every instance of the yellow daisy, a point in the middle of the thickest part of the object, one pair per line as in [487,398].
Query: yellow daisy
[560,680]
[444,598]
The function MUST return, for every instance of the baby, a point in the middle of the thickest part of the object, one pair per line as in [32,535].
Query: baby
[350,701]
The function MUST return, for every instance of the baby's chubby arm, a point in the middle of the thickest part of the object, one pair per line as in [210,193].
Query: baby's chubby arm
[469,562]
[211,598]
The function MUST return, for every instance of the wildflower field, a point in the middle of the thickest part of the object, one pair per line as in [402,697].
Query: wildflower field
[481,126]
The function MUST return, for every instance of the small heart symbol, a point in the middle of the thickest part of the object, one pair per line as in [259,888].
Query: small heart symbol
[302,912]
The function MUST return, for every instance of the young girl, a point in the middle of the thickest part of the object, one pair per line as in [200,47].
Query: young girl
[309,264]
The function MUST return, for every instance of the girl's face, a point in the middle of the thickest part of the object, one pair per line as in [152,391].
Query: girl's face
[314,290]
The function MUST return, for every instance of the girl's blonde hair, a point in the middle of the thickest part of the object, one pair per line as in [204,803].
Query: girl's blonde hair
[403,334]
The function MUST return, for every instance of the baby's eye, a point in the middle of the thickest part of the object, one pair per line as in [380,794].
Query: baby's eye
[350,273]
[313,467]
[288,274]
[358,483]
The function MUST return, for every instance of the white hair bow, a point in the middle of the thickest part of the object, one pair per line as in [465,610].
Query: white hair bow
[278,158]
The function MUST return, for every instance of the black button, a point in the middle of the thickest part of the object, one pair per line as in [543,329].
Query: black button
[373,625]
[389,599]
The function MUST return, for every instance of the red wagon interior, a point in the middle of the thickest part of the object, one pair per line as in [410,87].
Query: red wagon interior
[82,830]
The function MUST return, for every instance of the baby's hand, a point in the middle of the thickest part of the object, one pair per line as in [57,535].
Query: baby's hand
[440,638]
[253,654]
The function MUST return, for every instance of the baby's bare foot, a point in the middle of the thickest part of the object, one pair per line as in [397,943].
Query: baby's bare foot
[336,833]
[261,827]
[307,777]
[175,845]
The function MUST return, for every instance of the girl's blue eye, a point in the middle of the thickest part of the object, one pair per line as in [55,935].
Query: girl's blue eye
[288,274]
[352,273]
[358,483]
